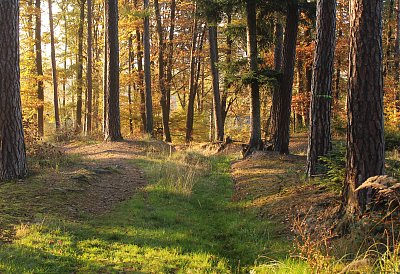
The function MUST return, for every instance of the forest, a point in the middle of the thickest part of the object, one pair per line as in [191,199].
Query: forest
[200,136]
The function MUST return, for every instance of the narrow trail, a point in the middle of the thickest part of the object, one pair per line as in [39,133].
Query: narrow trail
[108,169]
[120,208]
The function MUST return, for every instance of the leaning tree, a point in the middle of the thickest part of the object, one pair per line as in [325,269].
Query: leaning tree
[365,138]
[12,146]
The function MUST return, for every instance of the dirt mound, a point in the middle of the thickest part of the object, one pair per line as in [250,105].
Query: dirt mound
[107,175]
[78,181]
[277,186]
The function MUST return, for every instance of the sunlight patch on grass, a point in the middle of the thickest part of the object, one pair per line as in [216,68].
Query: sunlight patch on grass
[292,266]
[165,228]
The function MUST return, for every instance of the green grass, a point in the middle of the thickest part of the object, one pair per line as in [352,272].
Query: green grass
[190,226]
[21,200]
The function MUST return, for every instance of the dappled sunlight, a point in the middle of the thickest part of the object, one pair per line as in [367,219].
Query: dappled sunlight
[161,229]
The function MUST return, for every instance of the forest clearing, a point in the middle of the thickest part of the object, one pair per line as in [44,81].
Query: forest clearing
[199,136]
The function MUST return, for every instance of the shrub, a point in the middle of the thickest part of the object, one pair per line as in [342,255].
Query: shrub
[334,164]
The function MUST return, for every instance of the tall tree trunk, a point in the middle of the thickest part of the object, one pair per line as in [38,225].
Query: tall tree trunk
[227,86]
[302,89]
[12,146]
[278,61]
[192,91]
[319,139]
[161,75]
[31,32]
[96,93]
[140,86]
[365,139]
[54,68]
[170,54]
[281,105]
[113,127]
[212,123]
[278,51]
[397,46]
[89,69]
[199,66]
[141,78]
[39,68]
[255,107]
[105,67]
[130,64]
[338,74]
[389,45]
[397,64]
[306,107]
[212,36]
[79,102]
[64,87]
[147,71]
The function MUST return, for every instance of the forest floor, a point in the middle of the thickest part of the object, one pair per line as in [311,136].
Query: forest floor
[143,207]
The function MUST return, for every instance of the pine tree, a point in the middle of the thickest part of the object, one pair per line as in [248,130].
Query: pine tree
[319,141]
[365,137]
[12,153]
[112,124]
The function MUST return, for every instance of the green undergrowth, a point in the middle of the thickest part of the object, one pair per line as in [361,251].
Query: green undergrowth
[184,221]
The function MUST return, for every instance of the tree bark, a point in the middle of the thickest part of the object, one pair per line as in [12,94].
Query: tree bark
[141,78]
[12,146]
[365,138]
[130,64]
[64,85]
[113,127]
[278,51]
[199,68]
[278,61]
[338,75]
[105,67]
[255,107]
[39,68]
[97,59]
[319,139]
[281,105]
[140,86]
[161,75]
[211,133]
[397,65]
[224,98]
[170,54]
[54,68]
[302,89]
[212,36]
[89,69]
[79,101]
[192,90]
[397,46]
[147,71]
[389,46]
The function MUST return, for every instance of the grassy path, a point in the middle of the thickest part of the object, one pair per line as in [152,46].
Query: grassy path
[184,221]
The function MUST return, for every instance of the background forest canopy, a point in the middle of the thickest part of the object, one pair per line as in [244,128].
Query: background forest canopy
[182,26]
